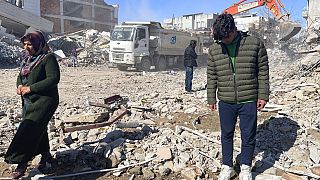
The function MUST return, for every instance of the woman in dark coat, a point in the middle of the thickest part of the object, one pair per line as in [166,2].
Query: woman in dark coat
[37,84]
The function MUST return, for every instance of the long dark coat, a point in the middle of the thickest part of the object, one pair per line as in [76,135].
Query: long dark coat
[31,138]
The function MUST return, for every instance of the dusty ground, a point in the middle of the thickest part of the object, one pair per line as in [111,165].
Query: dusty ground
[80,84]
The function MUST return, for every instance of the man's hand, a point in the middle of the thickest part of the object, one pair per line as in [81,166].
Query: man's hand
[19,89]
[213,107]
[25,90]
[260,104]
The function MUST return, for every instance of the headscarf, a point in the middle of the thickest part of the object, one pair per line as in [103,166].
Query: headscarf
[37,40]
[41,48]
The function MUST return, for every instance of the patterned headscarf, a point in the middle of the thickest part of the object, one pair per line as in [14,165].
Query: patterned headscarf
[41,48]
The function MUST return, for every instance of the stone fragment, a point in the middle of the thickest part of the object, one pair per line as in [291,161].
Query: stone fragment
[189,173]
[316,170]
[164,171]
[135,170]
[315,155]
[148,174]
[164,153]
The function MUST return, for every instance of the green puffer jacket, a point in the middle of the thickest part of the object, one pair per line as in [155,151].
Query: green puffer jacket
[251,78]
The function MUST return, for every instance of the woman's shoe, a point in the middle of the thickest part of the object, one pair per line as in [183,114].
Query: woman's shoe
[19,171]
[45,158]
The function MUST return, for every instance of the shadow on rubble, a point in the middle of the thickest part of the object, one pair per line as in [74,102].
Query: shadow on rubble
[91,156]
[274,137]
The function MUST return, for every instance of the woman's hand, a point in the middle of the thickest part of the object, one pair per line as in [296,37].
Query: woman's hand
[25,90]
[19,89]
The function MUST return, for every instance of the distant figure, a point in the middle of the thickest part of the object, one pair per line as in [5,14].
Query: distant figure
[73,57]
[190,61]
[37,84]
[238,73]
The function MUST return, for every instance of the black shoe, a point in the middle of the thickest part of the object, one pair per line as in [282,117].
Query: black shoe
[19,171]
[45,158]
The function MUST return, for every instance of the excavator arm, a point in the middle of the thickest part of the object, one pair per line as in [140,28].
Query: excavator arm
[288,29]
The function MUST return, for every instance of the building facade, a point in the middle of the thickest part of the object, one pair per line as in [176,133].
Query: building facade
[73,15]
[313,14]
[191,21]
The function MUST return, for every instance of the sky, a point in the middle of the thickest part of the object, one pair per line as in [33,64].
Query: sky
[158,10]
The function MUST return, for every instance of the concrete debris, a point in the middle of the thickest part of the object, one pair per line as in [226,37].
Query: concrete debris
[9,54]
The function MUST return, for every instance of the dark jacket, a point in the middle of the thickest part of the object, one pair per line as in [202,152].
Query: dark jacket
[44,97]
[190,57]
[249,82]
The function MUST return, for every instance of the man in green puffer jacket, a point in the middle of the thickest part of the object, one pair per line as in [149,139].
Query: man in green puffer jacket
[238,73]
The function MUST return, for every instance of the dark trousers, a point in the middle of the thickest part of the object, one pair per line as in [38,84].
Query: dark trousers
[189,77]
[247,113]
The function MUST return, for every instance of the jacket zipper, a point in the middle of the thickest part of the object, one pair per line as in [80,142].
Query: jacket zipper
[234,81]
[233,70]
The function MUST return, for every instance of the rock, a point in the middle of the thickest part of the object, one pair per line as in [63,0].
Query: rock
[315,135]
[164,171]
[74,135]
[299,95]
[184,157]
[316,170]
[35,161]
[191,110]
[114,161]
[315,155]
[135,170]
[168,164]
[164,153]
[265,177]
[189,173]
[148,174]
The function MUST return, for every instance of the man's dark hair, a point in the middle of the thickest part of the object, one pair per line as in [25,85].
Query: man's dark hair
[223,25]
[193,42]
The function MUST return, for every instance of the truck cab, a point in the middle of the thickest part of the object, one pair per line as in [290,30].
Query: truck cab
[129,45]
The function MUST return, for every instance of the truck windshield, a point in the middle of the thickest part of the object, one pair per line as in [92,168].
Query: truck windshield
[122,34]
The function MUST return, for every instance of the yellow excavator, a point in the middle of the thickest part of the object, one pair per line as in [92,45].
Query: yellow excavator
[288,29]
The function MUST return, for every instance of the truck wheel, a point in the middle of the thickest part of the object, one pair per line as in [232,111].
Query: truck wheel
[161,64]
[122,67]
[145,64]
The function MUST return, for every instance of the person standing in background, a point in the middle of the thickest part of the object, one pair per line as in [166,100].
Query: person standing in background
[190,61]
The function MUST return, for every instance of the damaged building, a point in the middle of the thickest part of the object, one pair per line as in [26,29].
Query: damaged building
[57,16]
[191,21]
[73,15]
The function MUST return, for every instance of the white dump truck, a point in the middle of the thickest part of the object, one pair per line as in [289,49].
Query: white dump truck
[145,44]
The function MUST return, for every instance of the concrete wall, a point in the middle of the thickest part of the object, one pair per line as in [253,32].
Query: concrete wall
[17,21]
[245,23]
[313,12]
[32,6]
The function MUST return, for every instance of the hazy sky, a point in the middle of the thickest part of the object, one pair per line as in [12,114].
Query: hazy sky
[158,10]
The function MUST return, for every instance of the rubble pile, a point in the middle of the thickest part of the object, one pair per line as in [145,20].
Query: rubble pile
[88,46]
[9,54]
